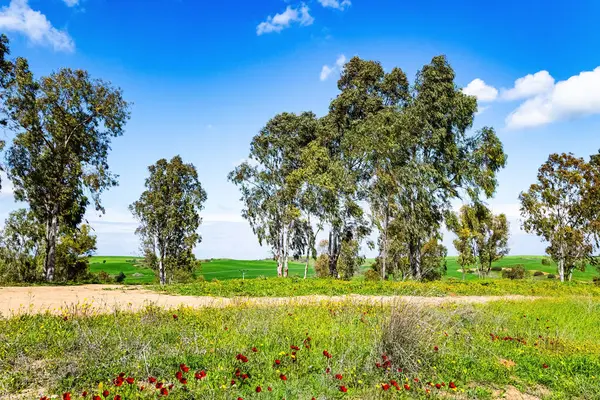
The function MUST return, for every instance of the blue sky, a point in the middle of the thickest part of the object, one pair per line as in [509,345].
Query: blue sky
[204,77]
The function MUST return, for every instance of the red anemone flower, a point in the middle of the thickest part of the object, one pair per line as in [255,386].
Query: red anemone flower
[151,379]
[438,386]
[435,348]
[406,386]
[178,375]
[105,393]
[183,381]
[118,397]
[66,396]
[338,376]
[385,386]
[96,398]
[283,377]
[254,349]
[84,394]
[326,354]
[200,375]
[343,389]
[175,317]
[277,362]
[164,392]
[269,388]
[258,389]
[130,380]
[545,366]
[451,385]
[184,367]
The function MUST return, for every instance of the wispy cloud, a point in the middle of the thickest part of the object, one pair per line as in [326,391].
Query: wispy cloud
[19,17]
[279,22]
[337,4]
[71,3]
[482,91]
[326,71]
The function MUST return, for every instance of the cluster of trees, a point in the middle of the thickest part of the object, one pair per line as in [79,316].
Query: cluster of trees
[389,155]
[63,125]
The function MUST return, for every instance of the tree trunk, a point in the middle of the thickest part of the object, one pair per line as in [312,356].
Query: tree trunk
[286,252]
[415,259]
[51,237]
[279,255]
[306,264]
[161,271]
[561,269]
[333,253]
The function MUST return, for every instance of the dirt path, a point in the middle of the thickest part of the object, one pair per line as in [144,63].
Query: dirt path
[55,299]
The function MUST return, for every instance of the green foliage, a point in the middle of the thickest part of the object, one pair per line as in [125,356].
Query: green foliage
[322,266]
[372,275]
[538,273]
[551,276]
[516,272]
[562,208]
[168,212]
[120,278]
[546,261]
[104,277]
[349,260]
[21,248]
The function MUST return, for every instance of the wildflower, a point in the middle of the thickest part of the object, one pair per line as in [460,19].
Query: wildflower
[142,388]
[94,398]
[232,382]
[435,348]
[283,377]
[294,347]
[343,389]
[151,379]
[66,396]
[406,386]
[438,386]
[451,385]
[416,380]
[240,398]
[326,354]
[258,389]
[245,376]
[178,375]
[277,362]
[338,376]
[254,350]
[200,375]
[175,317]
[269,388]
[164,392]
[183,381]
[545,366]
[130,380]
[327,370]
[159,385]
[184,367]
[118,397]
[171,386]
[385,386]
[84,394]
[105,393]
[118,381]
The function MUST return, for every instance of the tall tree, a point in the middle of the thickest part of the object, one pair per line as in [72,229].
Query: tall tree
[6,78]
[65,123]
[563,209]
[436,159]
[482,237]
[168,211]
[272,200]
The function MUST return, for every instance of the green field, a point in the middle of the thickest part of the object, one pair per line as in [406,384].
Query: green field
[223,269]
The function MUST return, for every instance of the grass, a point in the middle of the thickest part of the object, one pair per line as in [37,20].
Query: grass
[226,269]
[549,347]
[275,287]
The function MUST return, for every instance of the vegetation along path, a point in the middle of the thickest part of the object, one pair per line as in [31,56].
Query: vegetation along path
[107,298]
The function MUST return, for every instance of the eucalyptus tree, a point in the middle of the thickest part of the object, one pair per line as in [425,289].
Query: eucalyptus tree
[481,236]
[6,78]
[437,158]
[169,215]
[563,207]
[272,198]
[57,162]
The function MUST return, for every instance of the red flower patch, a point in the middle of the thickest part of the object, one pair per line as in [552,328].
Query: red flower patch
[184,367]
[283,377]
[164,392]
[326,354]
[451,385]
[343,389]
[200,375]
[66,396]
[406,386]
[338,376]
[254,350]
[130,380]
[385,386]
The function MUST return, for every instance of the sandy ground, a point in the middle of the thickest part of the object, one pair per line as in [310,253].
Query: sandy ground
[107,298]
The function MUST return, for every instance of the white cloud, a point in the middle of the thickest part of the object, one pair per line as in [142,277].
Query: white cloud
[19,17]
[575,97]
[340,5]
[481,90]
[7,189]
[278,22]
[71,3]
[529,86]
[326,70]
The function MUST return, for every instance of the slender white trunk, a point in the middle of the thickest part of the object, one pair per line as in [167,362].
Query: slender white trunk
[286,252]
[385,243]
[51,238]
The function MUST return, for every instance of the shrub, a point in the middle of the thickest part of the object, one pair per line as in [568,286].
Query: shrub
[182,276]
[120,278]
[372,275]
[322,266]
[596,280]
[104,277]
[103,261]
[546,261]
[497,269]
[551,276]
[516,272]
[349,261]
[538,273]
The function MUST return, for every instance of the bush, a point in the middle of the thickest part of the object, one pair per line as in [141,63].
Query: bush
[496,269]
[349,261]
[596,280]
[372,275]
[322,266]
[103,261]
[182,276]
[538,273]
[104,277]
[516,272]
[551,276]
[546,261]
[120,278]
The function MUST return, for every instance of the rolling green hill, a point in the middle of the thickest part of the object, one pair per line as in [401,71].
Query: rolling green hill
[221,269]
